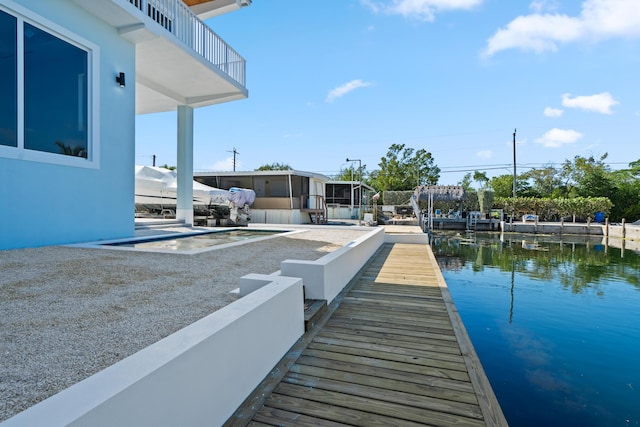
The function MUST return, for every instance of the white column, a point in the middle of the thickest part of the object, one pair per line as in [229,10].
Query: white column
[184,208]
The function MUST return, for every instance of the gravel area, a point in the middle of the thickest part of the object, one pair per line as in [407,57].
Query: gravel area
[67,313]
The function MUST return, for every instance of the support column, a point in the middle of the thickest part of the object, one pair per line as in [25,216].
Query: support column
[184,207]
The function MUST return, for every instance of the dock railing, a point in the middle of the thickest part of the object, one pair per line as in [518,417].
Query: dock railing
[175,17]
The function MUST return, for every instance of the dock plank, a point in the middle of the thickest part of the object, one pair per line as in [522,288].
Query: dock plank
[372,406]
[399,354]
[382,382]
[388,373]
[366,389]
[336,413]
[391,350]
[390,340]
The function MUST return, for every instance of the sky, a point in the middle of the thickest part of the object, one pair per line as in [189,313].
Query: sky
[344,79]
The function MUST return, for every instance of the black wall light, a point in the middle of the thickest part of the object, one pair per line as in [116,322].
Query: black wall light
[120,79]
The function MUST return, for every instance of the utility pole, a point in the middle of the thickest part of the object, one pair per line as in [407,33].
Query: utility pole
[514,163]
[234,157]
[360,191]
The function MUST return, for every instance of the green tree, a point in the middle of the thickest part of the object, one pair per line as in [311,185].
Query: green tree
[466,182]
[626,196]
[471,204]
[503,186]
[481,179]
[274,167]
[351,173]
[404,168]
[546,182]
[587,176]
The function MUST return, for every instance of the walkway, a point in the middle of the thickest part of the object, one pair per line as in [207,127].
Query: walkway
[391,351]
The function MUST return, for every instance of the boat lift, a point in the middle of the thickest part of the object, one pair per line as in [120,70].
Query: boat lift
[432,194]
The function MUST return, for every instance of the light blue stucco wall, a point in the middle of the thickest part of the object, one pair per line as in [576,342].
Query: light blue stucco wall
[46,204]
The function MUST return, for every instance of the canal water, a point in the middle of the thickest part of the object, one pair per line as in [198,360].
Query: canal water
[556,324]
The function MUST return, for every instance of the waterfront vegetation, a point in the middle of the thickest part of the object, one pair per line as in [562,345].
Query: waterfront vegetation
[549,209]
[577,188]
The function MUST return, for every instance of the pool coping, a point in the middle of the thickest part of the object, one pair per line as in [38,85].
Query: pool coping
[108,244]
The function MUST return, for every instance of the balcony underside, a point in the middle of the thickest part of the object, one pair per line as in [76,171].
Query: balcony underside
[168,75]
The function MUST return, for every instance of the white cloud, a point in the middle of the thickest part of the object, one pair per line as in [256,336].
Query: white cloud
[555,137]
[553,112]
[600,103]
[424,10]
[598,20]
[225,165]
[539,6]
[485,154]
[341,91]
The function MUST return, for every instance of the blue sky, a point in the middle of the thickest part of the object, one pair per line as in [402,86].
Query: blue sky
[347,78]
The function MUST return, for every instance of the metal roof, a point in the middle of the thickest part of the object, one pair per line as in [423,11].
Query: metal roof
[285,172]
[441,193]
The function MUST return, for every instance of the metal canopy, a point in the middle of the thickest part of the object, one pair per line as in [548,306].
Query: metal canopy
[441,193]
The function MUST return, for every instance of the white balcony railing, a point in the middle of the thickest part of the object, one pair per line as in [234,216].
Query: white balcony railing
[178,19]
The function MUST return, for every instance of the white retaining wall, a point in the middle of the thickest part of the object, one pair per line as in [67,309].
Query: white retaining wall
[625,231]
[202,373]
[279,216]
[327,276]
[197,376]
[414,238]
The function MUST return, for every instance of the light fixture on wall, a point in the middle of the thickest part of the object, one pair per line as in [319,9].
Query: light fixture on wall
[120,79]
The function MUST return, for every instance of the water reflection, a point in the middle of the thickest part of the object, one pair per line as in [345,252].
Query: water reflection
[554,320]
[577,263]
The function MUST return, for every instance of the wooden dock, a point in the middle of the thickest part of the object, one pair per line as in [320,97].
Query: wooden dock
[391,350]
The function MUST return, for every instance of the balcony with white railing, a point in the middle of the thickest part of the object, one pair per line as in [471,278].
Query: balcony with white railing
[180,60]
[175,17]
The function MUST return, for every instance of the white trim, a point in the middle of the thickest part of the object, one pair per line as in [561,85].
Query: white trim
[24,15]
[20,83]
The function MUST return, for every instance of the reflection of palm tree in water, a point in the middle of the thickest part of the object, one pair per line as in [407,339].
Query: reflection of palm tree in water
[67,150]
[513,284]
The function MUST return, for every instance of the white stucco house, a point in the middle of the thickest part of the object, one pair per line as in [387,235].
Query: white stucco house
[74,75]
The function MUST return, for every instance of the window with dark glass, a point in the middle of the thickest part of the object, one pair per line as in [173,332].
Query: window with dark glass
[55,94]
[8,80]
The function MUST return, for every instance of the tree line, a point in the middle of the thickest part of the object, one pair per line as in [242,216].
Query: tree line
[577,180]
[581,178]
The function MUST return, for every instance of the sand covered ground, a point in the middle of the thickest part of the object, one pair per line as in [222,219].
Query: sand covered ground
[68,312]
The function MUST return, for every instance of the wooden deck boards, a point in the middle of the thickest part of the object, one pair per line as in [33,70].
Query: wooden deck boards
[392,352]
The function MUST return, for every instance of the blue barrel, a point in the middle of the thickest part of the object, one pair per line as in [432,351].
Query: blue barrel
[599,216]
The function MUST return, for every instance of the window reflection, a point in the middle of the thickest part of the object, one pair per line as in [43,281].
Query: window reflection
[55,94]
[8,80]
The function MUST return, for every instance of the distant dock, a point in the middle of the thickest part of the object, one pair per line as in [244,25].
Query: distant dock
[621,231]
